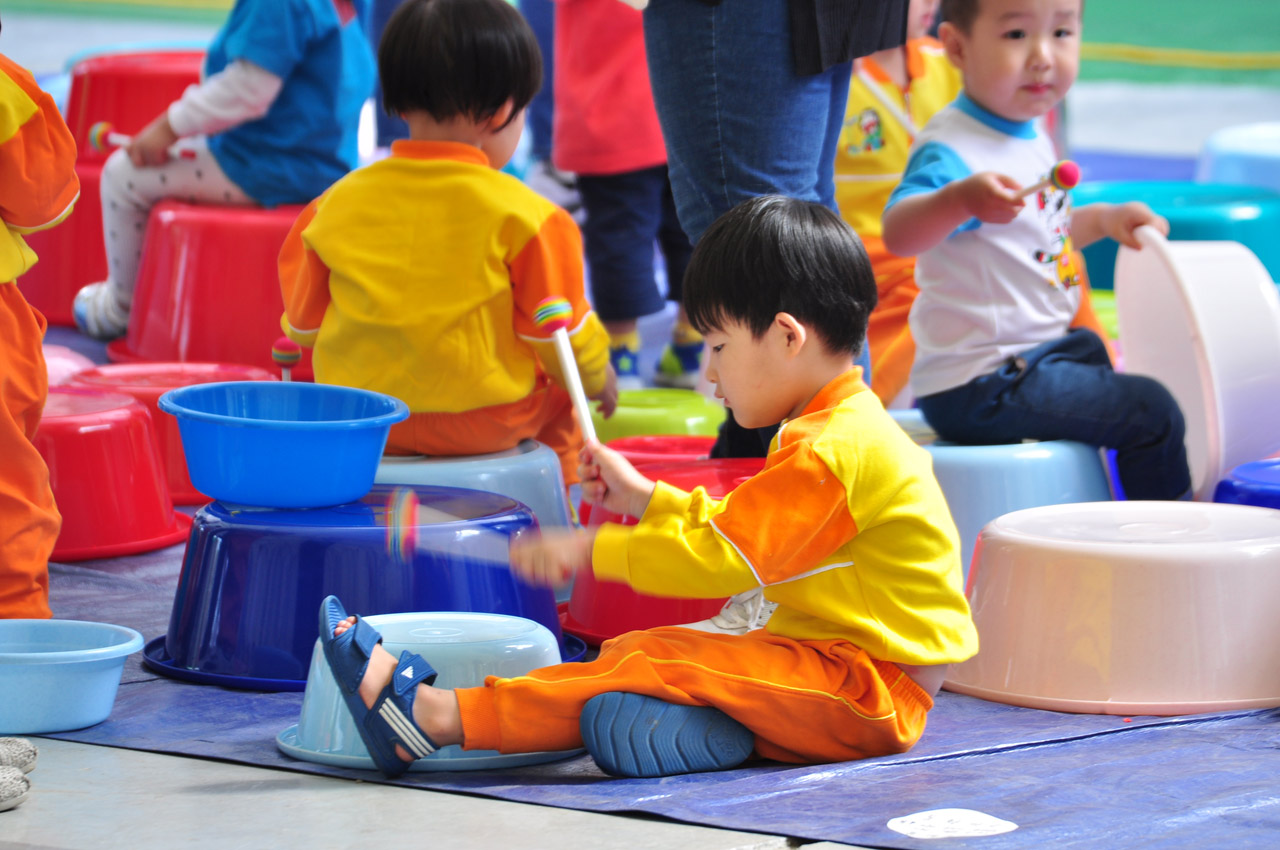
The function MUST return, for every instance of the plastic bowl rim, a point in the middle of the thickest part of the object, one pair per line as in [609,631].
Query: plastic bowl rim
[132,643]
[398,413]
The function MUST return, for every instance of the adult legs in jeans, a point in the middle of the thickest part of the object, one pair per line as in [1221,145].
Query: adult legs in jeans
[737,119]
[1067,390]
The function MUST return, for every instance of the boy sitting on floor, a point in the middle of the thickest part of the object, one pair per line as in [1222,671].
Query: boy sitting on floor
[845,528]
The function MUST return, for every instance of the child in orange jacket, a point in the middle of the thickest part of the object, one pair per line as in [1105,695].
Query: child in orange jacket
[38,187]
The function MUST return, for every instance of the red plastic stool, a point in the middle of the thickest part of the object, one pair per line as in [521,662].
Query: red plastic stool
[208,288]
[107,476]
[665,448]
[599,610]
[71,255]
[61,363]
[127,90]
[146,382]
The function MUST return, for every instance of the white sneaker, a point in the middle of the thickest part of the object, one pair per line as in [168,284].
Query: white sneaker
[98,312]
[14,787]
[19,753]
[743,612]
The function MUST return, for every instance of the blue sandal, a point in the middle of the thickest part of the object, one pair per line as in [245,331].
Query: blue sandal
[390,721]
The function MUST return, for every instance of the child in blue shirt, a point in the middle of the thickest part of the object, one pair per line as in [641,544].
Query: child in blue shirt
[995,361]
[273,122]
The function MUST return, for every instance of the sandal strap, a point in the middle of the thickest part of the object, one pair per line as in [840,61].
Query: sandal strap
[366,637]
[394,708]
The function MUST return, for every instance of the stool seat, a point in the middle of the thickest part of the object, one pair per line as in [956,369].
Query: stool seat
[463,648]
[1127,608]
[146,382]
[982,482]
[599,610]
[1256,483]
[72,255]
[1248,154]
[1200,212]
[106,475]
[529,473]
[208,287]
[660,411]
[244,613]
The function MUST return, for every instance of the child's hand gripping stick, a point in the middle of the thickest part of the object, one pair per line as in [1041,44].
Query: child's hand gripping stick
[553,314]
[1065,175]
[101,137]
[286,353]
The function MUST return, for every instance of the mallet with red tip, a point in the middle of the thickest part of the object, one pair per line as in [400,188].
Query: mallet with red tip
[286,353]
[554,314]
[1064,175]
[101,136]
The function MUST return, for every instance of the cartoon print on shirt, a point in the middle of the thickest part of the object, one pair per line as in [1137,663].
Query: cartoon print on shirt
[1054,207]
[871,127]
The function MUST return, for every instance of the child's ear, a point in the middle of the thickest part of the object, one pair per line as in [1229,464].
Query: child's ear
[953,43]
[500,118]
[792,330]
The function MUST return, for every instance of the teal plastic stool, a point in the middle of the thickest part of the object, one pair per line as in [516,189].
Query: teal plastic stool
[652,412]
[1248,154]
[981,483]
[1208,212]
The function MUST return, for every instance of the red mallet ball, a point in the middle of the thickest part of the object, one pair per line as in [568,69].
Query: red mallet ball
[286,352]
[1065,175]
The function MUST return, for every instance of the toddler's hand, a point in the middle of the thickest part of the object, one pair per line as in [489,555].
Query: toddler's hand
[608,395]
[990,197]
[553,557]
[151,145]
[1121,220]
[610,480]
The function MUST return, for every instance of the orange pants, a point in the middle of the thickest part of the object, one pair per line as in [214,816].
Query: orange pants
[29,519]
[889,337]
[806,701]
[545,415]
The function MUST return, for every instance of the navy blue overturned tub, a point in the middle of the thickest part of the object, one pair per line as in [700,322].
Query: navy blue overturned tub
[244,614]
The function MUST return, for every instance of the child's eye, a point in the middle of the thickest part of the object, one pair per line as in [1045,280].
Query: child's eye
[1015,34]
[1063,32]
[716,348]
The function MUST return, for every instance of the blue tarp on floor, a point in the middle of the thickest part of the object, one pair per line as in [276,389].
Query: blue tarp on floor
[1064,780]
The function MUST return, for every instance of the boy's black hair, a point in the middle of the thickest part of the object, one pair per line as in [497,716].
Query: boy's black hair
[960,13]
[452,58]
[773,255]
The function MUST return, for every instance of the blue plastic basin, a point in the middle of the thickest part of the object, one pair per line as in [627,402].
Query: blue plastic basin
[282,445]
[57,675]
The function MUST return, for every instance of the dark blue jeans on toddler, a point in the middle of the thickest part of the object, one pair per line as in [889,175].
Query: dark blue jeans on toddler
[626,213]
[1066,389]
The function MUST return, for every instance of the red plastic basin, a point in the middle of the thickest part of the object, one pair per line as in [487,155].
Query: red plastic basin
[107,476]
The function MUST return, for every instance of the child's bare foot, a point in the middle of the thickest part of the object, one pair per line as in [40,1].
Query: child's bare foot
[435,710]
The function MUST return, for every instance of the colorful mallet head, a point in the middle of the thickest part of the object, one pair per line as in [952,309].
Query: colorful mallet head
[98,134]
[286,353]
[552,314]
[402,524]
[1065,175]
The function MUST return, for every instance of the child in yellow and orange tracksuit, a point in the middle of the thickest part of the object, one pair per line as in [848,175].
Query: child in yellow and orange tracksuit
[418,276]
[845,529]
[38,187]
[894,93]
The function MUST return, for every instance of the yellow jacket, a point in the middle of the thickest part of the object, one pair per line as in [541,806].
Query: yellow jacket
[418,276]
[845,528]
